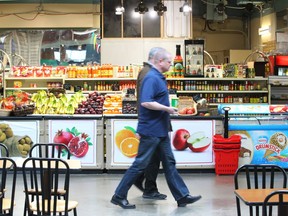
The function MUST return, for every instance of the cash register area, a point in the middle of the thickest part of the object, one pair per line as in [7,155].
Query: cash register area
[94,191]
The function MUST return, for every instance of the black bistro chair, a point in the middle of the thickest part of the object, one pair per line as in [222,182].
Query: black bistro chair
[49,175]
[277,198]
[7,186]
[4,150]
[47,150]
[50,150]
[254,176]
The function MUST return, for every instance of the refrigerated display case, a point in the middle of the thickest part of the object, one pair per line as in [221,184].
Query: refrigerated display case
[278,89]
[194,58]
[264,132]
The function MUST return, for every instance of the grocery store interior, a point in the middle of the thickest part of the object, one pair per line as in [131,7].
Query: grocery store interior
[68,73]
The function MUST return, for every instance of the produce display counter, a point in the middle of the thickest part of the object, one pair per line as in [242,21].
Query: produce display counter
[109,141]
[191,140]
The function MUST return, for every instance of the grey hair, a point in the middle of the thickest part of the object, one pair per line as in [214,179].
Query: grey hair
[153,51]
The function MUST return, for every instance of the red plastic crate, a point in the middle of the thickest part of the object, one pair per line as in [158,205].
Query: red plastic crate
[217,138]
[226,160]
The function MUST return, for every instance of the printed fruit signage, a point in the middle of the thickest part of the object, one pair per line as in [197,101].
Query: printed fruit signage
[196,142]
[124,141]
[77,142]
[127,141]
[191,141]
[79,136]
[18,137]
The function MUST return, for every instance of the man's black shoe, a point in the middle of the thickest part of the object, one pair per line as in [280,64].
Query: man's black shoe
[187,200]
[154,195]
[122,203]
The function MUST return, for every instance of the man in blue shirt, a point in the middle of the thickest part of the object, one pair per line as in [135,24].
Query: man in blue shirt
[150,190]
[153,128]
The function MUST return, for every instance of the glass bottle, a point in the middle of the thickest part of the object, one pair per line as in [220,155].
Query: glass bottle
[178,62]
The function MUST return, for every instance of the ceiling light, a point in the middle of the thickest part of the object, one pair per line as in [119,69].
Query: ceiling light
[220,8]
[141,8]
[186,8]
[160,8]
[119,10]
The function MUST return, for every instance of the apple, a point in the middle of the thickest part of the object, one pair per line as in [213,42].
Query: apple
[179,140]
[200,145]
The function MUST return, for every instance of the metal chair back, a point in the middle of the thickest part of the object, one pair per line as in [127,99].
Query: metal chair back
[50,150]
[49,176]
[7,186]
[277,198]
[255,176]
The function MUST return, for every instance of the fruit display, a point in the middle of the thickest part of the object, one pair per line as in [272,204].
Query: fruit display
[48,103]
[127,141]
[112,104]
[129,103]
[187,111]
[187,106]
[93,104]
[18,103]
[78,143]
[17,145]
[196,142]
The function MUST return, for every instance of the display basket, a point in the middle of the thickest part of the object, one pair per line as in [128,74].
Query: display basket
[226,146]
[5,112]
[186,102]
[226,161]
[23,110]
[234,139]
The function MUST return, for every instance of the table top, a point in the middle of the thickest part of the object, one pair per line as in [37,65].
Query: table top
[257,196]
[73,164]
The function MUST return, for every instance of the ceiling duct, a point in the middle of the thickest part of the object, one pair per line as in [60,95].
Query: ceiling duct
[254,2]
[215,10]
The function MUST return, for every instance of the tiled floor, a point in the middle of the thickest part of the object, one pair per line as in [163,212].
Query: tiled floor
[94,191]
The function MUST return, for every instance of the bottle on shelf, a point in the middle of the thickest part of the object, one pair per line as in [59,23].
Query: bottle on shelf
[178,62]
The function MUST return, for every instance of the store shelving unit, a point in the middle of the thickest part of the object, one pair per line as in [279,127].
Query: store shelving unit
[235,88]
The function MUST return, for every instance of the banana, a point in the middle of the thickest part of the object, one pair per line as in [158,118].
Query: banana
[70,109]
[50,110]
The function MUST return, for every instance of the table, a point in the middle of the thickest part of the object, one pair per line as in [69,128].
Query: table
[256,197]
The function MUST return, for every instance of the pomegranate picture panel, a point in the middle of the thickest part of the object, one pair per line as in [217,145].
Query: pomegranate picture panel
[191,142]
[79,136]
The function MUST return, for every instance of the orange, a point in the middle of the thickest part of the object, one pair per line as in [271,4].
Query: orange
[129,146]
[123,134]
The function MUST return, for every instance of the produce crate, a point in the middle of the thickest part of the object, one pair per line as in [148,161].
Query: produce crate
[226,161]
[129,107]
[185,103]
[5,112]
[23,110]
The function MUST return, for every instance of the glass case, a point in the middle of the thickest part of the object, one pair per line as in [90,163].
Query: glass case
[194,58]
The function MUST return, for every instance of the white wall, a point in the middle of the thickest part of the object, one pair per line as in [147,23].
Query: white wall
[134,51]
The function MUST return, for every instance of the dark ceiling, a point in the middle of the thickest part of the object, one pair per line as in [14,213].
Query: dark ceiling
[199,6]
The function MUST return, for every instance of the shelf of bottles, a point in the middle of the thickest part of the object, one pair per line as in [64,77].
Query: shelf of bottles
[224,90]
